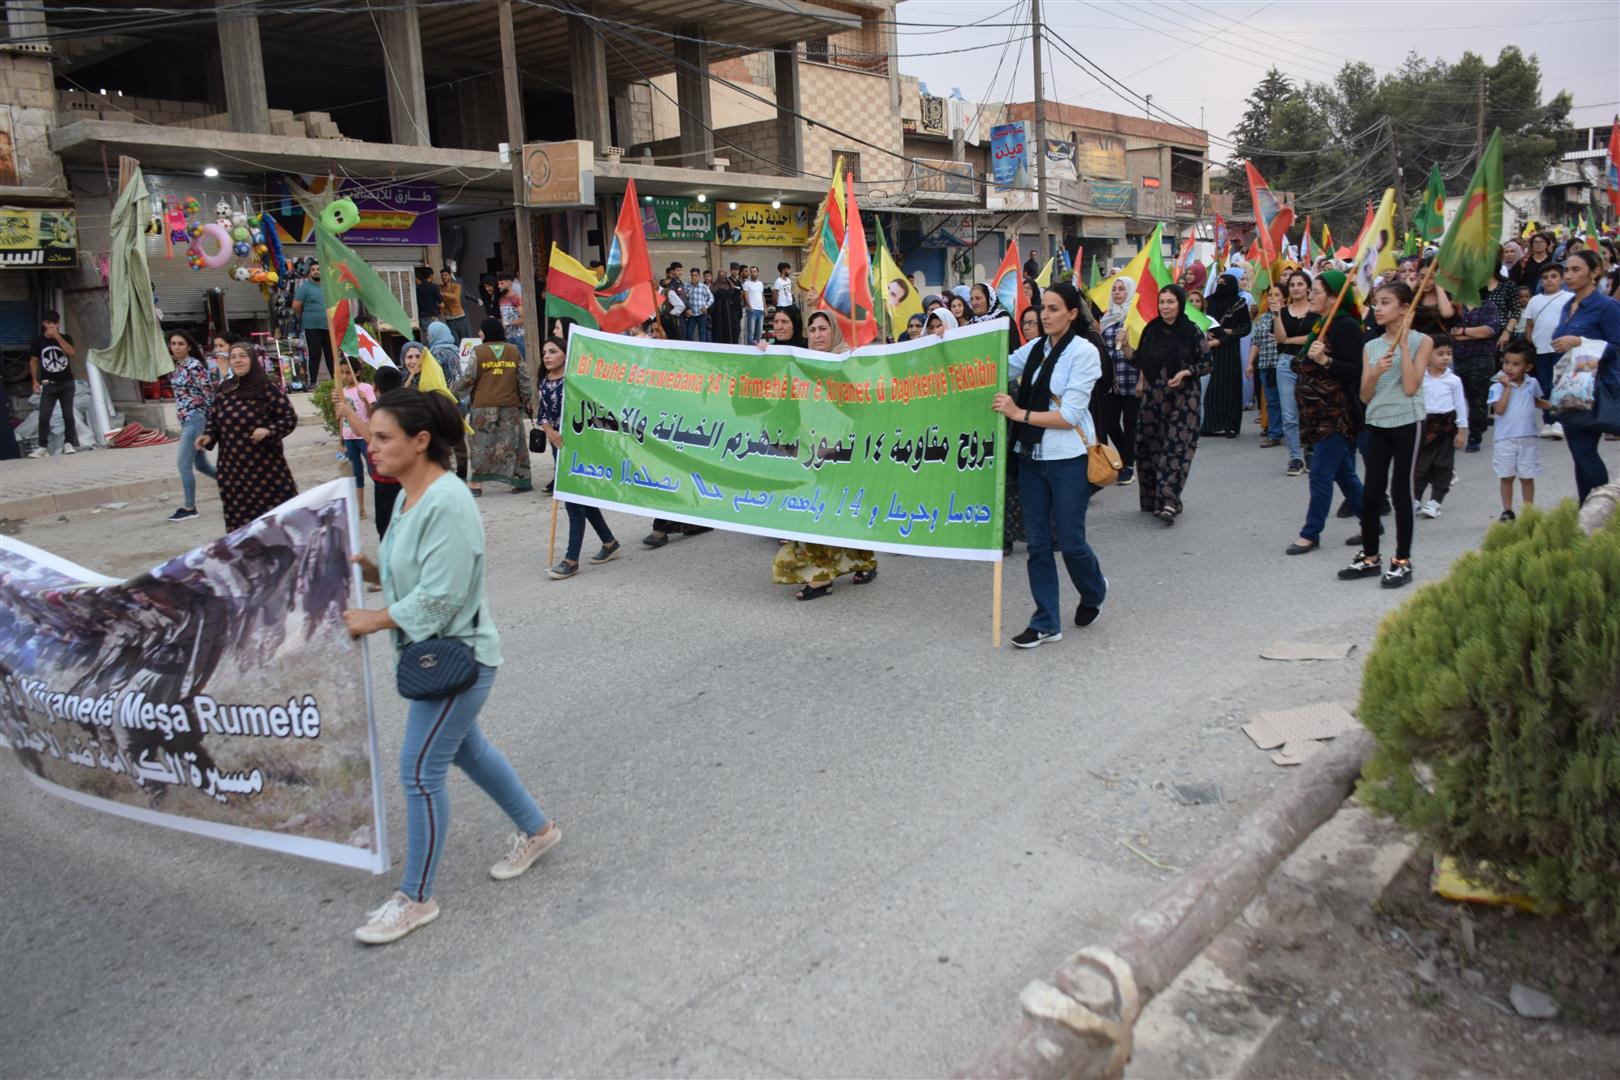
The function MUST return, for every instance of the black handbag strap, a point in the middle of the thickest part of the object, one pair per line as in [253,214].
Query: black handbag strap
[399,635]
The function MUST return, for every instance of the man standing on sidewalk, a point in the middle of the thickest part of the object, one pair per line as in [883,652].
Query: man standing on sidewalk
[699,299]
[52,372]
[309,307]
[753,291]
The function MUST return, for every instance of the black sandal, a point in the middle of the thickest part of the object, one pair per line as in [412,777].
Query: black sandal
[813,592]
[861,577]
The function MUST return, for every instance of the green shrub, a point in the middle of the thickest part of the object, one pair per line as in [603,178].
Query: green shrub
[1494,697]
[321,398]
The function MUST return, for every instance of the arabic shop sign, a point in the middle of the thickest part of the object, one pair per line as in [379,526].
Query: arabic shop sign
[677,219]
[758,225]
[38,239]
[888,448]
[1009,156]
[392,214]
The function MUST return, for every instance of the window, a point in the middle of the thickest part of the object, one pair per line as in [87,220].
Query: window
[852,164]
[816,49]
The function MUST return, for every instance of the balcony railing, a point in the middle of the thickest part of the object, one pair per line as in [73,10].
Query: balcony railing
[942,180]
[820,52]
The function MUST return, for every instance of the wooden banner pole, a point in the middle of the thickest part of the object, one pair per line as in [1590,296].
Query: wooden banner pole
[995,604]
[551,545]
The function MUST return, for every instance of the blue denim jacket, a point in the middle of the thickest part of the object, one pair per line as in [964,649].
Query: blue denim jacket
[1077,370]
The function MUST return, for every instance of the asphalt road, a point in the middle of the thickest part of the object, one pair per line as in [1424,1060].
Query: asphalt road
[799,839]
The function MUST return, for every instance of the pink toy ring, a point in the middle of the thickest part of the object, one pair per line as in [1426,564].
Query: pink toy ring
[220,257]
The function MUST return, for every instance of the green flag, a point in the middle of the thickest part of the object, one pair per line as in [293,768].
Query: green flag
[1590,226]
[347,282]
[1096,275]
[1470,251]
[1430,219]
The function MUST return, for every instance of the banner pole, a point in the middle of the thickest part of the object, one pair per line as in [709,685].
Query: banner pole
[551,545]
[995,604]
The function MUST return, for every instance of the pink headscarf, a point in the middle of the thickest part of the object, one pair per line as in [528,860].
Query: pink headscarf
[1199,275]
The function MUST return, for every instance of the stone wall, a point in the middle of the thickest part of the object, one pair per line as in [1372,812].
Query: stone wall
[27,114]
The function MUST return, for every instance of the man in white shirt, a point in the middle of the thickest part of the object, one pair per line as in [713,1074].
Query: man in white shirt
[784,285]
[754,306]
[1541,317]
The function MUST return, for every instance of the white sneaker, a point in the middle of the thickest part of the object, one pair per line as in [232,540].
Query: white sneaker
[1430,509]
[396,918]
[70,449]
[526,850]
[38,452]
[1552,431]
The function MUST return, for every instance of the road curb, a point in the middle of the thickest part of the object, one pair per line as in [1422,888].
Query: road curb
[86,498]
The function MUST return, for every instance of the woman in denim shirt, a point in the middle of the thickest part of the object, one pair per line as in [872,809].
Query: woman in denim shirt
[1059,371]
[1589,314]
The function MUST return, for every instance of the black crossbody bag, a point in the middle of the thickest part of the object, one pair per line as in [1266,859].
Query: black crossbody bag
[438,667]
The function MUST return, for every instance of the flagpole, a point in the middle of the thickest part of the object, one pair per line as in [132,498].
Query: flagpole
[995,604]
[1423,285]
[551,545]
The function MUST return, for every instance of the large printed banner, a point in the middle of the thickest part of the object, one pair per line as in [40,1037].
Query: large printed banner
[891,447]
[218,693]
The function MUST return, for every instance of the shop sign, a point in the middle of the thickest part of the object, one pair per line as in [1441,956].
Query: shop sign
[1009,156]
[758,225]
[678,219]
[401,215]
[560,175]
[1107,196]
[38,239]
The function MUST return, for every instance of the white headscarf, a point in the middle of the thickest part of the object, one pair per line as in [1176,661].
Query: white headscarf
[1116,313]
[946,319]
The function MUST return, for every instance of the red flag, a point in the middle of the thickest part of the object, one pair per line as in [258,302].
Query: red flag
[848,295]
[1614,166]
[1007,285]
[1180,265]
[1272,220]
[1366,223]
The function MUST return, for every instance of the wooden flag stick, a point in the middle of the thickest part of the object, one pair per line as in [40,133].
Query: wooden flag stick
[995,604]
[551,545]
[1411,312]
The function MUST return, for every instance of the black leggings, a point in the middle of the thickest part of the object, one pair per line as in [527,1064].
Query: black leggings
[1118,425]
[1388,447]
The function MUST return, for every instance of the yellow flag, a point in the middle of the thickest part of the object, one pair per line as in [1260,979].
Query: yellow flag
[432,381]
[1529,229]
[1044,278]
[826,235]
[900,297]
[1375,254]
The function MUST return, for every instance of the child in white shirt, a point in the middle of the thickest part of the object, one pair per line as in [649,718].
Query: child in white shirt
[1514,400]
[1445,429]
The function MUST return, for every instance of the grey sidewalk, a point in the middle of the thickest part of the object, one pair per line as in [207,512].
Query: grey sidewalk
[33,487]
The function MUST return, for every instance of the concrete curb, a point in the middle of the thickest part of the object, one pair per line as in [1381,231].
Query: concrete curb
[86,498]
[1206,1023]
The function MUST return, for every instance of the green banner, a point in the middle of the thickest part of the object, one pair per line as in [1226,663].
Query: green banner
[890,448]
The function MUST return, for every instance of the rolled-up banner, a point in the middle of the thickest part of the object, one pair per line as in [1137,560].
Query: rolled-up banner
[218,693]
[888,448]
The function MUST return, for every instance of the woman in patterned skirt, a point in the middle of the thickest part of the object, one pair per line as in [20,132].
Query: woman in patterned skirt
[815,566]
[250,417]
[1172,356]
[501,396]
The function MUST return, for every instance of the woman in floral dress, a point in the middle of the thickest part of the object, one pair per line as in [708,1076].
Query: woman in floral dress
[250,417]
[1172,355]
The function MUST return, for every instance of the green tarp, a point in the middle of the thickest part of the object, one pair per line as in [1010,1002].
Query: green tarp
[136,349]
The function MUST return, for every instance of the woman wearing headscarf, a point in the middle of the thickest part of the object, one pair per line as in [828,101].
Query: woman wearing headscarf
[441,342]
[489,297]
[1223,403]
[498,382]
[787,328]
[1171,356]
[814,567]
[1120,405]
[940,322]
[250,417]
[422,371]
[1330,408]
[984,303]
[957,303]
[1049,428]
[1194,277]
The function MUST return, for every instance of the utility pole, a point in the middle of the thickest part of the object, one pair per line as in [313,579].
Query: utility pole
[521,222]
[1479,122]
[1042,225]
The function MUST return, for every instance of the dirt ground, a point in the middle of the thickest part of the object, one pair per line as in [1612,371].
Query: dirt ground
[1403,988]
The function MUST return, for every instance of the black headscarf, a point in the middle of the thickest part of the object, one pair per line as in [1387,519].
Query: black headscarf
[1035,387]
[1169,347]
[1223,299]
[255,384]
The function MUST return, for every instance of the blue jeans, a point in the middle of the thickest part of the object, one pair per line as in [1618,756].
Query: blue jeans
[1545,363]
[438,733]
[1268,383]
[578,515]
[695,327]
[356,449]
[190,457]
[1333,462]
[1056,494]
[1286,381]
[753,325]
[1590,472]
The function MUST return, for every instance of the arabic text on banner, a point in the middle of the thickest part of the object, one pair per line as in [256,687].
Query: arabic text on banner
[891,447]
[219,693]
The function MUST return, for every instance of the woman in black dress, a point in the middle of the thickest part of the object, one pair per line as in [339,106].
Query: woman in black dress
[1172,355]
[250,417]
[1223,404]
